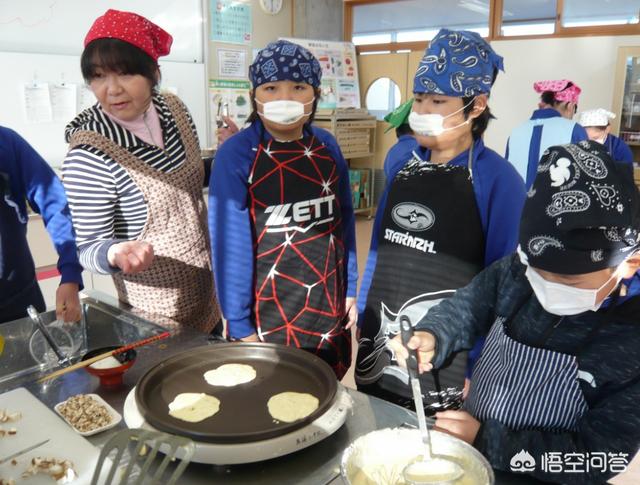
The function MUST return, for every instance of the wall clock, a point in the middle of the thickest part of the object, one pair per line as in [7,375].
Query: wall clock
[272,7]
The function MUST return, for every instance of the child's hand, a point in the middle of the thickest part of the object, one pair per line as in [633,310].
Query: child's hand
[459,424]
[68,302]
[423,342]
[351,312]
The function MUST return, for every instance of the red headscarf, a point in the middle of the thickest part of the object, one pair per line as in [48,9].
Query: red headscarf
[131,28]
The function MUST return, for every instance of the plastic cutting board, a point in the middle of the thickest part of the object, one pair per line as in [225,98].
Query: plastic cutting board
[38,423]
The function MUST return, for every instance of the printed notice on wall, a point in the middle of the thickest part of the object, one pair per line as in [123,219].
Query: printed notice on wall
[230,21]
[37,104]
[232,63]
[64,102]
[86,98]
[228,98]
[340,88]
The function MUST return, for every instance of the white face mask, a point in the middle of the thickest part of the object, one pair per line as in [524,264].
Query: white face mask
[602,140]
[283,111]
[433,124]
[562,299]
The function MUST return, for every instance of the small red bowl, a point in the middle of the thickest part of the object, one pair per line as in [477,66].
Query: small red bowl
[111,377]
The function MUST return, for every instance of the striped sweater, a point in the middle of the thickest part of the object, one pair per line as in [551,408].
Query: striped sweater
[106,205]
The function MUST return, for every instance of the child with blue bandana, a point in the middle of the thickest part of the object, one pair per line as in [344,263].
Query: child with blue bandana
[450,207]
[559,374]
[281,218]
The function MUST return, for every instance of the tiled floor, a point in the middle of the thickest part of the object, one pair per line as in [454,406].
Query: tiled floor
[363,237]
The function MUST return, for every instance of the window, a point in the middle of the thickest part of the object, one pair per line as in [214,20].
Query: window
[383,96]
[416,20]
[393,25]
[528,17]
[585,13]
[368,39]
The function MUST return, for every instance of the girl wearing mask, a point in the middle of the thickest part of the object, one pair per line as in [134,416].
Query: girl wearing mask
[281,217]
[134,178]
[450,208]
[560,369]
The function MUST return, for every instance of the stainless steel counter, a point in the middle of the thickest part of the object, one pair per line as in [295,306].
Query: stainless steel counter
[317,464]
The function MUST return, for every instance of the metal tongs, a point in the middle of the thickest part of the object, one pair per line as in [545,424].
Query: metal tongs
[63,360]
[431,469]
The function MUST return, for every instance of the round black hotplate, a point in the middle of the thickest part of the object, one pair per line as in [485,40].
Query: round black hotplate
[243,415]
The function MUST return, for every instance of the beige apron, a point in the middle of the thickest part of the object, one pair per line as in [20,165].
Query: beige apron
[179,283]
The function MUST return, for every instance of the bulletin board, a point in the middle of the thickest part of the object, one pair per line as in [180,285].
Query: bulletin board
[41,42]
[59,26]
[340,87]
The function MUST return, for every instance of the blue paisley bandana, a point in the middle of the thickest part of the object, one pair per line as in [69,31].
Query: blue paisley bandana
[457,63]
[582,213]
[284,60]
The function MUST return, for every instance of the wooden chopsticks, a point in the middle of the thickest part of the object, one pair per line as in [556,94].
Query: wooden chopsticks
[119,350]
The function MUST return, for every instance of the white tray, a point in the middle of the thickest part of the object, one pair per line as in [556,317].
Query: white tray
[115,416]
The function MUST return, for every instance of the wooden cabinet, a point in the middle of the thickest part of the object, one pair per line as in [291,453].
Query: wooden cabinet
[355,131]
[626,101]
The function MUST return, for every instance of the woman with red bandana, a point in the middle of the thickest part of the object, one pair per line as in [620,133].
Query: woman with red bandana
[134,177]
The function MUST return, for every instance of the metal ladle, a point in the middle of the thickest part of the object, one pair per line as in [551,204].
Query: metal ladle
[431,469]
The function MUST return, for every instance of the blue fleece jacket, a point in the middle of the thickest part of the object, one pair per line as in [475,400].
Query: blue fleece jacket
[500,196]
[618,149]
[29,179]
[230,223]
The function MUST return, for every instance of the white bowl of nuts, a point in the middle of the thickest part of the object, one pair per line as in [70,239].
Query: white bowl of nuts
[88,414]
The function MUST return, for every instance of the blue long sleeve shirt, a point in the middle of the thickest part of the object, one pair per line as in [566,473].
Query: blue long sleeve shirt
[528,141]
[230,223]
[499,193]
[618,149]
[31,180]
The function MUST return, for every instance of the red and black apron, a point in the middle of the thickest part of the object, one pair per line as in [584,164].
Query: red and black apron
[430,243]
[300,275]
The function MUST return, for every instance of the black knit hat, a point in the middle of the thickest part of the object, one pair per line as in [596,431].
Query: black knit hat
[582,213]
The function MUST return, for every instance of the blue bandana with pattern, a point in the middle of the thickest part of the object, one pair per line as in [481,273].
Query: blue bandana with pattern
[457,63]
[284,60]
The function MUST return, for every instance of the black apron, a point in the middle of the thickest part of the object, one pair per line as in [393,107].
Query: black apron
[430,243]
[299,252]
[18,285]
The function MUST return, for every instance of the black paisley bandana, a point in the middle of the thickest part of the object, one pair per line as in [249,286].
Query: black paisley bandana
[582,213]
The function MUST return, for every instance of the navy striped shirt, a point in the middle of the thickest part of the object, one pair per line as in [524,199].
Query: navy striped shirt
[106,205]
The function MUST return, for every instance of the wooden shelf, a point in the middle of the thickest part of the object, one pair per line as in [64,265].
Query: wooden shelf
[355,132]
[358,155]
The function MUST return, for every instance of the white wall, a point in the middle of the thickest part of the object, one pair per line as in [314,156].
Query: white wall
[588,61]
